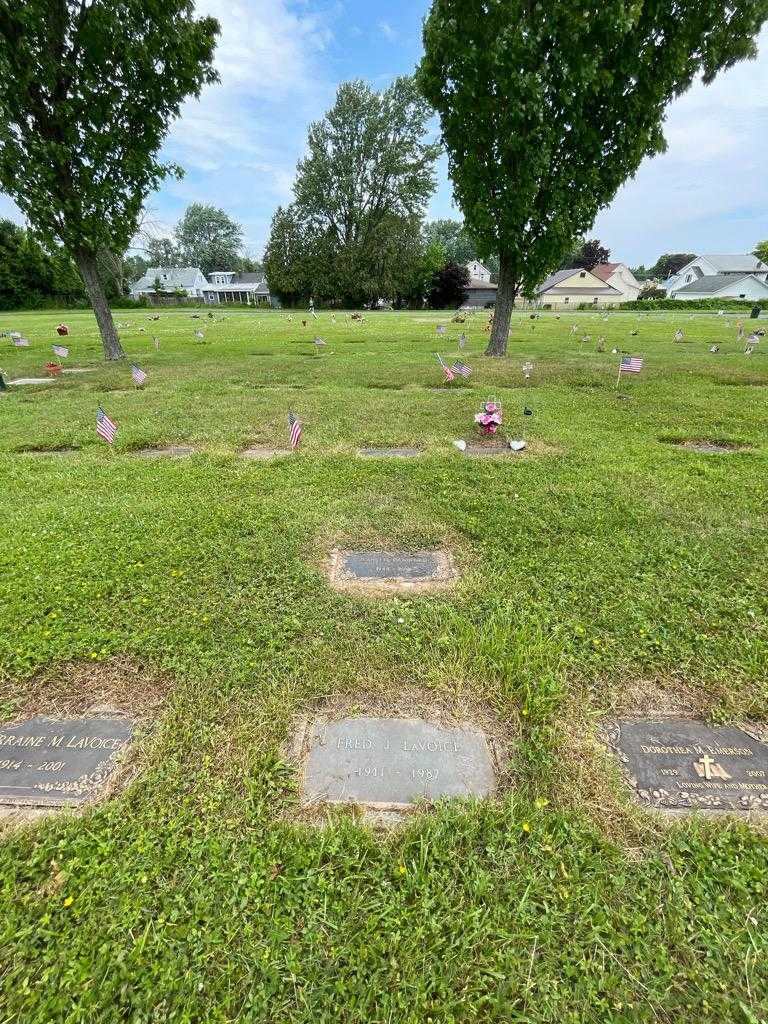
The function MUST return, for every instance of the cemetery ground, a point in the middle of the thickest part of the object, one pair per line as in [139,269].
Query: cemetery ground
[606,572]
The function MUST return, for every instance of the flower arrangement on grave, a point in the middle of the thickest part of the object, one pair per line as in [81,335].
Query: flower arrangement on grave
[54,369]
[489,419]
[62,330]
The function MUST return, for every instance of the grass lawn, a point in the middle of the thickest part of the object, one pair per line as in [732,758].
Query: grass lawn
[607,571]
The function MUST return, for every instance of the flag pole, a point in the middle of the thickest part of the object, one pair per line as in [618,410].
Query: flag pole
[618,377]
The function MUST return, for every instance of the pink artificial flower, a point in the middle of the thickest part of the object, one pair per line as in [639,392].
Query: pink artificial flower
[491,407]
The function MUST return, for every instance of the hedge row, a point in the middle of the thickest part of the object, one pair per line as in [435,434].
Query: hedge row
[683,304]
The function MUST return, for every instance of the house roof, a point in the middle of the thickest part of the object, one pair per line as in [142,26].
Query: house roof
[552,282]
[713,283]
[738,264]
[476,284]
[171,278]
[605,270]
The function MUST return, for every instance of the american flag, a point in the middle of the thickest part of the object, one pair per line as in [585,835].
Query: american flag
[630,364]
[138,375]
[318,342]
[449,374]
[157,344]
[462,340]
[461,368]
[199,335]
[678,335]
[440,329]
[105,427]
[61,351]
[294,431]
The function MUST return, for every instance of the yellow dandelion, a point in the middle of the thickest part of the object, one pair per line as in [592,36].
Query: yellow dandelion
[526,827]
[69,901]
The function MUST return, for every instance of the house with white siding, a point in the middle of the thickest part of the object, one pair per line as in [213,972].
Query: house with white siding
[720,277]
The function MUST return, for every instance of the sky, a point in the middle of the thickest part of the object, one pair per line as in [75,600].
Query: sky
[280,62]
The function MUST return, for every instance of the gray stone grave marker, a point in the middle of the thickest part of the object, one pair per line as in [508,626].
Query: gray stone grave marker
[171,451]
[50,762]
[679,764]
[390,763]
[391,570]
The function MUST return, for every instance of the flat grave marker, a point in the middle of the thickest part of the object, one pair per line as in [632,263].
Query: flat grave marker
[679,764]
[391,570]
[51,762]
[389,763]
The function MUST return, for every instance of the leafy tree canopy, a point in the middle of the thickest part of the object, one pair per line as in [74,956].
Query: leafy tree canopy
[670,263]
[761,251]
[353,234]
[208,238]
[453,237]
[546,110]
[449,286]
[88,89]
[589,254]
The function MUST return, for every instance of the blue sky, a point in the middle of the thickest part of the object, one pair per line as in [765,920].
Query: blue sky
[281,60]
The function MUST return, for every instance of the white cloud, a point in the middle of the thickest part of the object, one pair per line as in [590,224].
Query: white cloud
[387,31]
[709,191]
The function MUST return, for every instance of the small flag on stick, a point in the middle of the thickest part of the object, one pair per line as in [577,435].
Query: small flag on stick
[447,371]
[461,368]
[629,364]
[294,431]
[199,335]
[462,340]
[440,329]
[105,427]
[61,351]
[157,344]
[138,375]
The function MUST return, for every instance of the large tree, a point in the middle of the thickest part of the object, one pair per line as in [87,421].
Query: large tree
[453,237]
[88,89]
[361,193]
[208,238]
[761,251]
[670,263]
[588,254]
[449,286]
[546,109]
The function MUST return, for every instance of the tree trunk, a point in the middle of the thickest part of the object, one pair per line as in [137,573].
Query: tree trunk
[90,274]
[505,301]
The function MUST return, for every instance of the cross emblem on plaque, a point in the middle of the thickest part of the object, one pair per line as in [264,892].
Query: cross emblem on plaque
[707,768]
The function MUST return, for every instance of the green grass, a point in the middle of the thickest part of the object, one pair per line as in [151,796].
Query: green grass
[610,565]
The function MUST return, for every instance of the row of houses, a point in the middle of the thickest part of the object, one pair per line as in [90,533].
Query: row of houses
[607,284]
[221,286]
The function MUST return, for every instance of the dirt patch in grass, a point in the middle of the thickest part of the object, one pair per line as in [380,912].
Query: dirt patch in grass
[53,449]
[171,451]
[706,446]
[460,709]
[86,688]
[258,453]
[119,688]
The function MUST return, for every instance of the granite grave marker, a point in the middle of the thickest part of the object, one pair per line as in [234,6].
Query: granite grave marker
[50,762]
[392,762]
[679,764]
